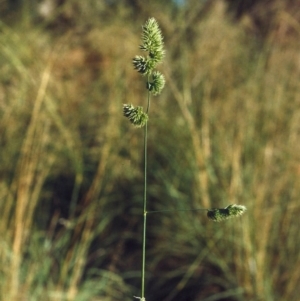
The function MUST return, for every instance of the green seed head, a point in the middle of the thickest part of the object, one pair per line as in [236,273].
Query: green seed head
[136,115]
[157,84]
[152,42]
[230,211]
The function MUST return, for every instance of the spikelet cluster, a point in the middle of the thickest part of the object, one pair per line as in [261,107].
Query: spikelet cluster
[221,214]
[152,43]
[157,83]
[136,115]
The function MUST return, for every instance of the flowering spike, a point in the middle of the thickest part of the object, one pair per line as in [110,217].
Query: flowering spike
[135,115]
[152,42]
[230,211]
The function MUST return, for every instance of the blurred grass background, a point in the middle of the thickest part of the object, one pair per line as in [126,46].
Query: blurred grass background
[225,130]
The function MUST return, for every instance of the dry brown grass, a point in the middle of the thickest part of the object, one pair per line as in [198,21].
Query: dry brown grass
[224,131]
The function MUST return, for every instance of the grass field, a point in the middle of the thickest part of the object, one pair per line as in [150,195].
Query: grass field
[225,130]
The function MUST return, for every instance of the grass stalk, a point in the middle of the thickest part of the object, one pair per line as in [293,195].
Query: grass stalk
[152,43]
[145,200]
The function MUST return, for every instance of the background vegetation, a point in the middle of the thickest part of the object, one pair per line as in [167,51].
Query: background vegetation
[225,130]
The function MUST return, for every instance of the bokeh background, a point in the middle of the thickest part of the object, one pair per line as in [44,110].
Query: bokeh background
[226,129]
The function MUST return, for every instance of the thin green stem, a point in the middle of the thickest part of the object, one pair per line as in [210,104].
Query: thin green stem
[145,200]
[168,210]
[144,254]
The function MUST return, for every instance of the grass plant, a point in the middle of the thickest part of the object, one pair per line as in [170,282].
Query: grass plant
[153,43]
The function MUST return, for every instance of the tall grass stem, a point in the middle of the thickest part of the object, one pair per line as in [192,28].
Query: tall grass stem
[145,199]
